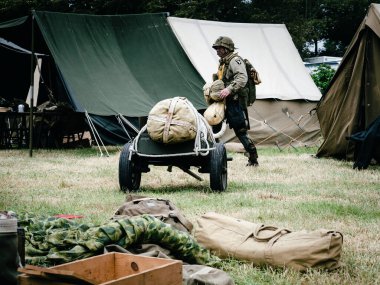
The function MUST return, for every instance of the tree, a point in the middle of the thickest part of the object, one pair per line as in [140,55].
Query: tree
[322,76]
[309,22]
[343,18]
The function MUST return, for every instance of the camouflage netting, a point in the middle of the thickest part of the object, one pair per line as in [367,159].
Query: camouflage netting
[55,241]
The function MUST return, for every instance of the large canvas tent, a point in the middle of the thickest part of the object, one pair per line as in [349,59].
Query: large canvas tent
[115,68]
[282,112]
[104,66]
[352,100]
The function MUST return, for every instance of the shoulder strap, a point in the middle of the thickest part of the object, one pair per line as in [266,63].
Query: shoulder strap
[224,66]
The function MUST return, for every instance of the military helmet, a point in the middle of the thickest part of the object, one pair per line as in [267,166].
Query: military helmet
[225,42]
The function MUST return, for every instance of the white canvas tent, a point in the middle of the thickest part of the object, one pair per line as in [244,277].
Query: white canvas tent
[287,93]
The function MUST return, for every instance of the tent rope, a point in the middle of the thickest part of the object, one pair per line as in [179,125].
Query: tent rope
[120,116]
[297,123]
[303,130]
[281,131]
[290,143]
[123,127]
[96,134]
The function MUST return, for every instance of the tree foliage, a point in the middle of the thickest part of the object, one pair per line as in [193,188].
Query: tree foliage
[310,22]
[322,76]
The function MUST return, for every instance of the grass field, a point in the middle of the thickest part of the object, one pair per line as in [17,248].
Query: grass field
[289,189]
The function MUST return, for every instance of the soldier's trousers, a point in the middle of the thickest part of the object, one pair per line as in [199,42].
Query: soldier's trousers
[246,141]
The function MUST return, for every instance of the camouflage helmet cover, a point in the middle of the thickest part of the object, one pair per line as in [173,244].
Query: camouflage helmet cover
[225,42]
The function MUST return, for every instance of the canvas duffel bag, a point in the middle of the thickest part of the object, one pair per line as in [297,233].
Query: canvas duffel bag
[230,237]
[172,121]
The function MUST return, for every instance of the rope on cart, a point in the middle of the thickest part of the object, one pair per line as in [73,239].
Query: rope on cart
[202,140]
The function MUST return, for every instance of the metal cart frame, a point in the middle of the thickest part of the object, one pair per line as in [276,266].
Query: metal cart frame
[136,156]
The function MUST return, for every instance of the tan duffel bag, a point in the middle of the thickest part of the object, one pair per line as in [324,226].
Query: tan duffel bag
[267,245]
[172,121]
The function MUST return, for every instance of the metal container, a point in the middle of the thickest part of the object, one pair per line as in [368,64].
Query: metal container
[9,258]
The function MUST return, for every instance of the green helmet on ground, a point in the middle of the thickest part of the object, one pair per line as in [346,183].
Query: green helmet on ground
[225,42]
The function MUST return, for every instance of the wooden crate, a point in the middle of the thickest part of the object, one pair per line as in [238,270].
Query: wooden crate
[110,268]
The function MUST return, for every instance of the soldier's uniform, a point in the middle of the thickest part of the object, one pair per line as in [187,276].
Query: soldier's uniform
[233,72]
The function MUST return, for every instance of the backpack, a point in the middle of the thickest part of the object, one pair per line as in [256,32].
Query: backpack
[161,209]
[253,80]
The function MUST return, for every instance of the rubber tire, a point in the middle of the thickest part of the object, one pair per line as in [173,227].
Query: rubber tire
[218,168]
[129,176]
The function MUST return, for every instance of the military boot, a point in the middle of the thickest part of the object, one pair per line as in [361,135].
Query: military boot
[252,160]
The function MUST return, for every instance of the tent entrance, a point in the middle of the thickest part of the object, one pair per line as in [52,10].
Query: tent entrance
[56,129]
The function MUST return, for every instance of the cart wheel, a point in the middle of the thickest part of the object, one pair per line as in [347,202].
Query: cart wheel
[218,168]
[129,175]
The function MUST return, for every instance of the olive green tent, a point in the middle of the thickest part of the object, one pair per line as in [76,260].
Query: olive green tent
[352,100]
[113,68]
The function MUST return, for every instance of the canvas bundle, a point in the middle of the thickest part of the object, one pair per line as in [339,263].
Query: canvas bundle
[172,121]
[161,209]
[211,91]
[215,113]
[267,245]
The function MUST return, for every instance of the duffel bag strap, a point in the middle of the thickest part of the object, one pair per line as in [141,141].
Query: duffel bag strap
[268,250]
[176,214]
[276,232]
[169,118]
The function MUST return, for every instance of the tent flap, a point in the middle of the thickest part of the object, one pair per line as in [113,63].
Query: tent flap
[352,100]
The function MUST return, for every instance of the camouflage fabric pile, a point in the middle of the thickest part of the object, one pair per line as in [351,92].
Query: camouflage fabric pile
[55,241]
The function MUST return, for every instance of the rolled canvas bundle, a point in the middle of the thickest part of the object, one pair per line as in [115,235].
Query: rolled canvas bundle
[214,113]
[267,245]
[172,121]
[212,90]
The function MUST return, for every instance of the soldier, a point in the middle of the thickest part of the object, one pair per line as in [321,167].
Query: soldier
[232,72]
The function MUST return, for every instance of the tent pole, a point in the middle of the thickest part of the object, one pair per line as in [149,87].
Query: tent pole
[31,93]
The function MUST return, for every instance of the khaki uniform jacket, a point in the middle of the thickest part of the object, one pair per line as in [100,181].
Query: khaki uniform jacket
[235,75]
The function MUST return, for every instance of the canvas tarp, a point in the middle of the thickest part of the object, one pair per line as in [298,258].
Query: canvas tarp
[119,64]
[352,100]
[130,61]
[287,94]
[106,65]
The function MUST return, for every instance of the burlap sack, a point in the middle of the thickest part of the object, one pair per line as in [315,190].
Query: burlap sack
[214,113]
[172,121]
[229,237]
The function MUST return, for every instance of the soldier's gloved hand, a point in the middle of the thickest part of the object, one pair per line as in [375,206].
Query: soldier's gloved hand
[224,93]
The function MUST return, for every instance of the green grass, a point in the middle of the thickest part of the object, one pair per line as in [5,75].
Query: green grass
[289,189]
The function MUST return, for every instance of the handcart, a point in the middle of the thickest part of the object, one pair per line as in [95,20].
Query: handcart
[203,153]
